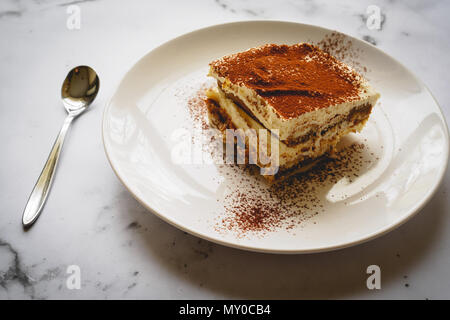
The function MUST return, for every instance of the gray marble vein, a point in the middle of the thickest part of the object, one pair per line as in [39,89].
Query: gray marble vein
[13,271]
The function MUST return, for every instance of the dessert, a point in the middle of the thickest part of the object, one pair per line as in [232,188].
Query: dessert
[304,98]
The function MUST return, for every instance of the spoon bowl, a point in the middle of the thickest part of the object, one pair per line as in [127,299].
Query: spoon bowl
[79,89]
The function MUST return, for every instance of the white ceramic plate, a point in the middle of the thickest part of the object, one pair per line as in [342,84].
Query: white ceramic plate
[406,142]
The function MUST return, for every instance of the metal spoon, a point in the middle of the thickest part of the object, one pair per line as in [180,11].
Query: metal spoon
[78,91]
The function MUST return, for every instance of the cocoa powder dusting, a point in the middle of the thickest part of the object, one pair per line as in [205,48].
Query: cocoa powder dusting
[197,107]
[341,47]
[292,79]
[262,208]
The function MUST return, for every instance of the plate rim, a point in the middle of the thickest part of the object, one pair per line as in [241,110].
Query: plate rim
[371,236]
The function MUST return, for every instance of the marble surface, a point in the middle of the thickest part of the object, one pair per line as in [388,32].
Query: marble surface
[125,252]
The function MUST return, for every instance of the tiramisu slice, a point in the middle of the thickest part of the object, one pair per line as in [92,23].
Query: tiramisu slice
[303,95]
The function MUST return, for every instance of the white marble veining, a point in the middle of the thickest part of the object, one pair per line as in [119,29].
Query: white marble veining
[124,251]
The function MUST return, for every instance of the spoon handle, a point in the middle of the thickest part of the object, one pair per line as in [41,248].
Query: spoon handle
[40,191]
